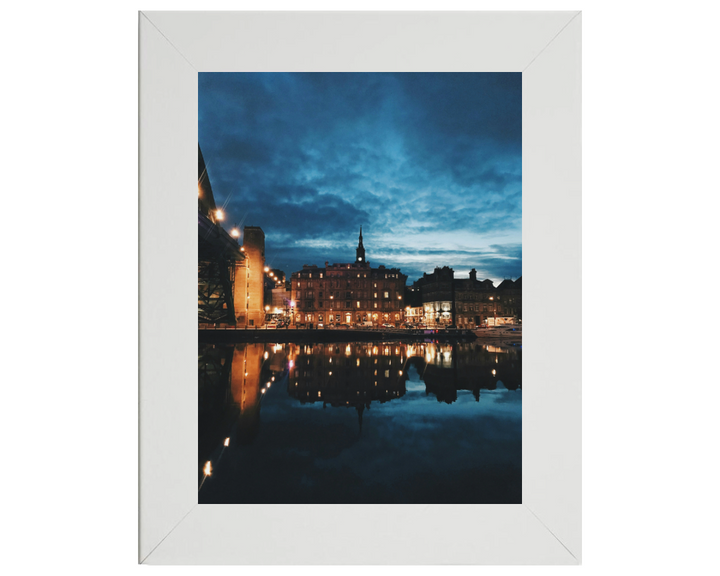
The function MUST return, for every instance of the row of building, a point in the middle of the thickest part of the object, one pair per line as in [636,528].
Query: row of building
[356,293]
[235,286]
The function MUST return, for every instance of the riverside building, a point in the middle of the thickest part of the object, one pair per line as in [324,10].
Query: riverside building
[351,293]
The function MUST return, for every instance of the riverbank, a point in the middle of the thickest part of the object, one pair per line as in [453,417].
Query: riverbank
[232,335]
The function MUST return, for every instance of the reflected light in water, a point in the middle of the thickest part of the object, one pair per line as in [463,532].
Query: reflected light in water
[227,443]
[207,470]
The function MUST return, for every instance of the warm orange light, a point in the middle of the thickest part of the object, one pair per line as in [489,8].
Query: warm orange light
[219,214]
[242,249]
[235,233]
[207,470]
[266,269]
[227,442]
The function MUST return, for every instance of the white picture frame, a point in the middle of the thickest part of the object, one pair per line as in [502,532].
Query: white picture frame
[546,527]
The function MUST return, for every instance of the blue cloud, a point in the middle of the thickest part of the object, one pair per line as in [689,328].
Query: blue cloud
[429,164]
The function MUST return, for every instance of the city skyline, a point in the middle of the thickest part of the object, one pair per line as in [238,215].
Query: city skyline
[428,164]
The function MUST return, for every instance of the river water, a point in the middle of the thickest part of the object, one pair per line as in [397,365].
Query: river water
[385,422]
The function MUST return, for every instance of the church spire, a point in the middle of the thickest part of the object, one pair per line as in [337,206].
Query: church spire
[360,251]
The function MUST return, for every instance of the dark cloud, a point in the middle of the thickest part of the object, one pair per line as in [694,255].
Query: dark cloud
[423,161]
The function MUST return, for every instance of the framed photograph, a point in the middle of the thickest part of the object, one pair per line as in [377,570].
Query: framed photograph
[388,208]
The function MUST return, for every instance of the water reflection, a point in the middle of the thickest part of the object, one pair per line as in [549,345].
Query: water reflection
[236,383]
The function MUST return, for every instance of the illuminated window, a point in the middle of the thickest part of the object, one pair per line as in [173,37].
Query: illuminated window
[358,304]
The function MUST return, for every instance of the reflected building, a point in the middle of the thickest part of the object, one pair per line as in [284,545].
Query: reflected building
[232,380]
[245,387]
[356,374]
[470,366]
[347,374]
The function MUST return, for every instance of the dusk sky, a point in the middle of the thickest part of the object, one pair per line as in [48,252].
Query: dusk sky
[428,163]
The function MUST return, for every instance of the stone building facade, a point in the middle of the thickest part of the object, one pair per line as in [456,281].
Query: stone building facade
[509,297]
[351,293]
[468,302]
[249,288]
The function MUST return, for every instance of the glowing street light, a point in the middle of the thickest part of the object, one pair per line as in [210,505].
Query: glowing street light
[235,233]
[266,269]
[219,214]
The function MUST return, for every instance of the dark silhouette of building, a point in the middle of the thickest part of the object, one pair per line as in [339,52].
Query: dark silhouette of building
[468,302]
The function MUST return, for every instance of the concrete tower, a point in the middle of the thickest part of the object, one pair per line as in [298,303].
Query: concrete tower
[250,279]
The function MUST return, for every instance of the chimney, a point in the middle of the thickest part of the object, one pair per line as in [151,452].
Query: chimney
[473,274]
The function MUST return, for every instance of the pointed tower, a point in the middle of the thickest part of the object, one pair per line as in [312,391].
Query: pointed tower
[360,251]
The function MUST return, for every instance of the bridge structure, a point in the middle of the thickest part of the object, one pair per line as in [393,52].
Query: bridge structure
[230,274]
